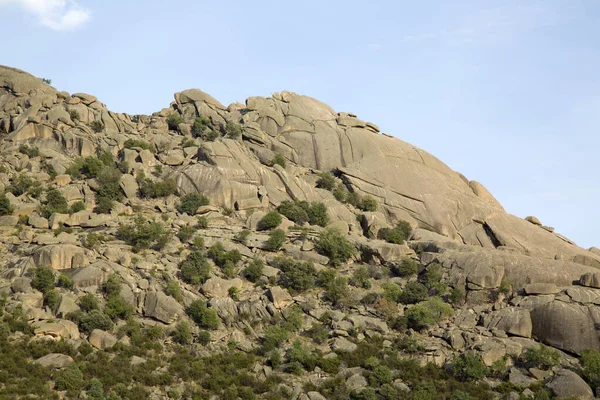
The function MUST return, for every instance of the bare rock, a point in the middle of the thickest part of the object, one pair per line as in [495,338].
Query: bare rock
[60,256]
[533,220]
[162,307]
[101,339]
[567,383]
[280,297]
[54,360]
[219,287]
[590,279]
[59,328]
[344,345]
[541,288]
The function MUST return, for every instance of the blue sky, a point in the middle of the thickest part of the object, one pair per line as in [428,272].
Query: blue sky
[505,92]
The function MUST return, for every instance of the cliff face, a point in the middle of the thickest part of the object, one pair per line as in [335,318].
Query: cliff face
[519,277]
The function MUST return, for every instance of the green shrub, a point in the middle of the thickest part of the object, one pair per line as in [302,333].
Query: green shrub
[90,167]
[505,287]
[5,207]
[43,279]
[406,267]
[89,302]
[340,192]
[195,269]
[150,189]
[392,291]
[185,233]
[138,144]
[97,126]
[296,275]
[48,168]
[191,202]
[242,236]
[74,115]
[76,207]
[433,277]
[426,314]
[333,244]
[395,235]
[273,337]
[92,240]
[182,333]
[70,379]
[51,299]
[143,234]
[368,203]
[117,308]
[271,220]
[425,391]
[31,152]
[204,338]
[55,203]
[360,278]
[202,222]
[200,127]
[95,319]
[294,211]
[233,130]
[469,367]
[21,184]
[276,240]
[104,205]
[414,292]
[590,360]
[338,291]
[317,214]
[112,285]
[542,356]
[457,296]
[205,317]
[380,376]
[326,181]
[254,270]
[173,121]
[278,159]
[174,290]
[65,281]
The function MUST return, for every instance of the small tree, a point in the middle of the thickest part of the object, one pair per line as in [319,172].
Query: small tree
[195,269]
[333,244]
[254,270]
[182,333]
[368,204]
[542,356]
[233,130]
[397,234]
[278,159]
[205,317]
[271,220]
[590,358]
[43,279]
[326,181]
[173,121]
[5,207]
[276,240]
[338,291]
[191,202]
[469,367]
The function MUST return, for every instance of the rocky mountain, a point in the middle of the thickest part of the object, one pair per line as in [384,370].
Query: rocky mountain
[275,249]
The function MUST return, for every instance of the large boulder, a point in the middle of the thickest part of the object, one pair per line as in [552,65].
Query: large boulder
[101,339]
[54,360]
[60,256]
[162,307]
[567,384]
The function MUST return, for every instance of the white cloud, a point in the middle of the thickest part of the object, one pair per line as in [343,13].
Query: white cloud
[60,15]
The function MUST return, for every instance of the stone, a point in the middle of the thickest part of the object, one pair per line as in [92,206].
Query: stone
[567,383]
[343,345]
[485,277]
[315,396]
[58,328]
[516,377]
[129,186]
[280,297]
[533,220]
[219,287]
[512,321]
[67,304]
[60,256]
[164,308]
[9,220]
[541,288]
[356,381]
[590,279]
[54,360]
[93,275]
[101,339]
[38,221]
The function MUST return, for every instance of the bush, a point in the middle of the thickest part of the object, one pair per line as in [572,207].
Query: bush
[414,292]
[326,181]
[200,127]
[542,356]
[174,290]
[368,203]
[138,143]
[276,240]
[270,221]
[150,189]
[340,192]
[242,236]
[317,214]
[278,159]
[406,267]
[220,256]
[195,269]
[395,235]
[74,114]
[185,233]
[360,278]
[273,337]
[426,314]
[65,281]
[380,376]
[182,333]
[92,240]
[5,207]
[143,234]
[457,296]
[392,292]
[469,367]
[55,203]
[294,211]
[254,270]
[333,244]
[70,379]
[191,202]
[205,317]
[51,299]
[173,121]
[76,207]
[590,359]
[94,319]
[89,167]
[43,279]
[202,222]
[117,308]
[108,184]
[233,130]
[31,152]
[89,302]
[104,205]
[338,291]
[97,126]
[296,275]
[21,184]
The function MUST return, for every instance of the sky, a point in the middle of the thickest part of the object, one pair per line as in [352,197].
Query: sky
[505,92]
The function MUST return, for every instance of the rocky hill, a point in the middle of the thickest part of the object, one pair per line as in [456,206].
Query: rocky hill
[275,249]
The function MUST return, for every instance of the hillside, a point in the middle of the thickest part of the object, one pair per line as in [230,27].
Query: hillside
[275,249]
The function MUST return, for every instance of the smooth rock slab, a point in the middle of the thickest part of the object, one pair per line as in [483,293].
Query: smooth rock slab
[54,360]
[101,339]
[568,384]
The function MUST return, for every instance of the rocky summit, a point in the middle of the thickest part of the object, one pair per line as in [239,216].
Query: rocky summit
[275,249]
